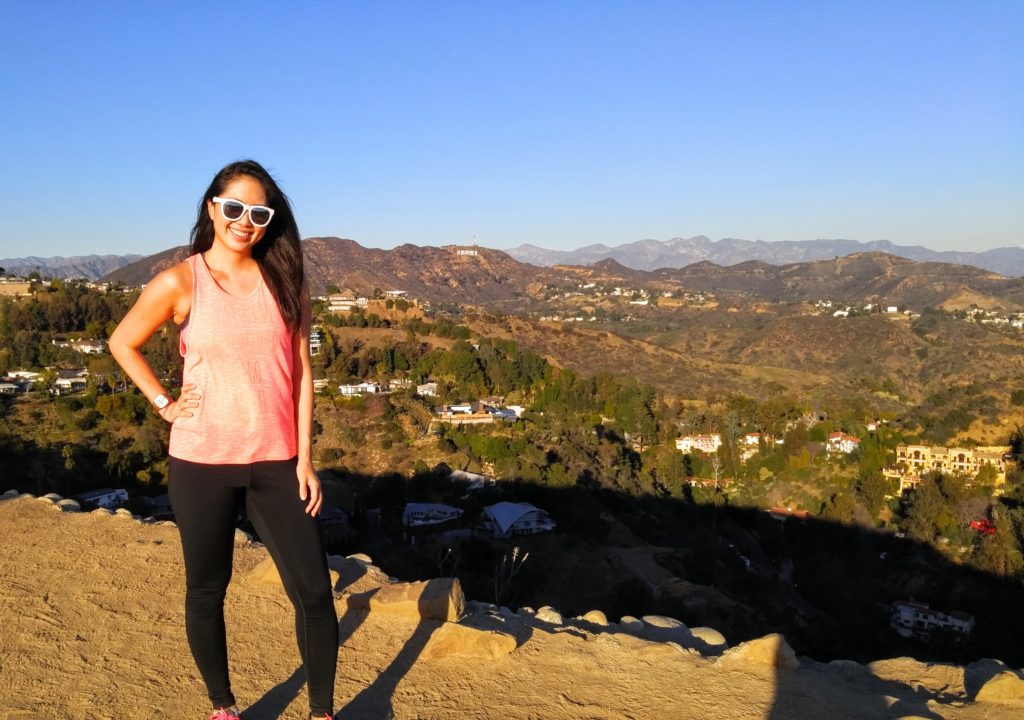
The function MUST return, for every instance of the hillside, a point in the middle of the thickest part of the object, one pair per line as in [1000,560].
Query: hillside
[494,280]
[93,608]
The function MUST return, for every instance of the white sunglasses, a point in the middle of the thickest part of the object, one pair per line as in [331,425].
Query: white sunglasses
[259,215]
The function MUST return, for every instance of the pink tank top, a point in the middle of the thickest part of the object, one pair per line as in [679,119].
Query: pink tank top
[238,352]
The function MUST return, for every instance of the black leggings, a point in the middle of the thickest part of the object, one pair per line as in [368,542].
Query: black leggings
[206,500]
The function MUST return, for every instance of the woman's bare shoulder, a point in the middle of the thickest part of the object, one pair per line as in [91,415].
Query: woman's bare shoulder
[174,286]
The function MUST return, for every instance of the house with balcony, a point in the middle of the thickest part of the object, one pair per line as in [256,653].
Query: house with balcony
[708,443]
[914,619]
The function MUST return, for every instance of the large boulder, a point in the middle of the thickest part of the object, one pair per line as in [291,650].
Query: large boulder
[769,651]
[69,505]
[437,599]
[464,640]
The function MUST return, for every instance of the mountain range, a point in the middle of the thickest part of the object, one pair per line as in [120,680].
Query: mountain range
[90,267]
[494,279]
[640,255]
[680,252]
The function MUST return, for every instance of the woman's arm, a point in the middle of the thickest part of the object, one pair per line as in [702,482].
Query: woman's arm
[163,298]
[302,396]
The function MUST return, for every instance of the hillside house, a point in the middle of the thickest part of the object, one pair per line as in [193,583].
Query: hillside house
[752,439]
[917,619]
[418,514]
[964,461]
[708,443]
[108,498]
[395,294]
[841,443]
[363,388]
[343,303]
[7,388]
[476,480]
[506,519]
[783,514]
[69,381]
[316,339]
[427,389]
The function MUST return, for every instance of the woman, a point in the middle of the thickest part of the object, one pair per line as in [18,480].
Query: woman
[241,430]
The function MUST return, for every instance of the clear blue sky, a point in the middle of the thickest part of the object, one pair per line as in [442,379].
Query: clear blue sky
[556,123]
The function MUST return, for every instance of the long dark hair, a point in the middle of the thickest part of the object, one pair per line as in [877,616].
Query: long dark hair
[278,253]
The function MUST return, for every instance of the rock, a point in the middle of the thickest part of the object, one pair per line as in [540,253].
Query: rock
[549,615]
[769,651]
[355,576]
[69,505]
[361,558]
[169,523]
[53,497]
[1006,687]
[507,613]
[665,629]
[526,612]
[242,538]
[437,599]
[123,512]
[648,648]
[102,511]
[465,641]
[265,574]
[9,495]
[28,496]
[708,641]
[631,624]
[595,617]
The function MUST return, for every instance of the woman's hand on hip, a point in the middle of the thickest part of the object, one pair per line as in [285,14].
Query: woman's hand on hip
[183,406]
[309,487]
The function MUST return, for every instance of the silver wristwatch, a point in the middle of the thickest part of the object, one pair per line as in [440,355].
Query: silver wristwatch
[160,402]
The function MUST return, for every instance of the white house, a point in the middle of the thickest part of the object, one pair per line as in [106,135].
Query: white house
[344,303]
[705,443]
[842,443]
[7,388]
[427,389]
[476,480]
[363,388]
[106,498]
[316,338]
[506,519]
[417,514]
[912,618]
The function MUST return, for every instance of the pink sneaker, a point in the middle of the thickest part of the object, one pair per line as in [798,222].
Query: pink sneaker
[230,713]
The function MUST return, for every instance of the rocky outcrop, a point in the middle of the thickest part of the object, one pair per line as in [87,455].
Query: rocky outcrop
[770,651]
[438,599]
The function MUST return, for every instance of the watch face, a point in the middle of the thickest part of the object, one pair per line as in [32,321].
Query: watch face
[161,402]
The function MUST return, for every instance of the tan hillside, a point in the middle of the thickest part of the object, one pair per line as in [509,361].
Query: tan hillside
[92,608]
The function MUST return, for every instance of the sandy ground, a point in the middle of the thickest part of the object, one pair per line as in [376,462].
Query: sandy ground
[91,608]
